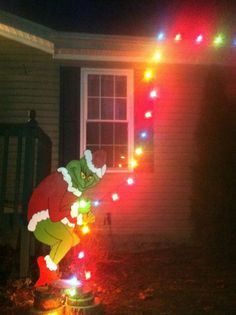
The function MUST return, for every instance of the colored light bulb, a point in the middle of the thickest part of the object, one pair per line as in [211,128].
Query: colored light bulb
[199,38]
[81,254]
[85,229]
[157,56]
[148,114]
[219,40]
[130,181]
[143,135]
[139,151]
[133,163]
[178,37]
[148,75]
[88,275]
[74,281]
[153,93]
[115,197]
[161,36]
[96,203]
[71,292]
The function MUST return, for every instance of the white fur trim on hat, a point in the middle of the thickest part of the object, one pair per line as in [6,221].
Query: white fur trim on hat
[67,178]
[50,264]
[98,171]
[36,218]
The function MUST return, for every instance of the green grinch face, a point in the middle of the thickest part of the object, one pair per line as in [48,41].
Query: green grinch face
[82,177]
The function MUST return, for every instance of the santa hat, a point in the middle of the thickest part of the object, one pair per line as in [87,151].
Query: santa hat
[96,162]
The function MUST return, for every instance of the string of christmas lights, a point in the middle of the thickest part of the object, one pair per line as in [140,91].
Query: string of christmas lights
[219,40]
[143,136]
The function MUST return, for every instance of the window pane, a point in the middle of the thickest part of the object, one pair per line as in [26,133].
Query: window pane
[121,156]
[107,86]
[120,86]
[93,85]
[121,133]
[92,148]
[92,133]
[107,108]
[110,152]
[107,133]
[120,108]
[93,108]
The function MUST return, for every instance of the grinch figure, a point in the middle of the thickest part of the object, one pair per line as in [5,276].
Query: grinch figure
[54,211]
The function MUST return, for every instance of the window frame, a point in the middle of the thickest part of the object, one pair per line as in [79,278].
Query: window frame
[129,73]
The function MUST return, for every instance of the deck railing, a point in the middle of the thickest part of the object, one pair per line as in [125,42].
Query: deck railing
[25,159]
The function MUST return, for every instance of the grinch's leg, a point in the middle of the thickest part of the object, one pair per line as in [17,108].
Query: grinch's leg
[58,236]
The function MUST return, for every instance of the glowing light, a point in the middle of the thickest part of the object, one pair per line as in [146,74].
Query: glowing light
[219,40]
[157,56]
[88,275]
[96,203]
[153,93]
[161,36]
[81,254]
[120,165]
[71,292]
[139,151]
[148,75]
[53,313]
[133,163]
[74,282]
[148,114]
[178,37]
[143,135]
[122,157]
[130,181]
[83,203]
[85,229]
[199,38]
[115,197]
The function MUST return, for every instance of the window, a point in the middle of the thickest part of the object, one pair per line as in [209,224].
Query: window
[107,114]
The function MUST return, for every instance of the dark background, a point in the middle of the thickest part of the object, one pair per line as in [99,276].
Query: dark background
[126,17]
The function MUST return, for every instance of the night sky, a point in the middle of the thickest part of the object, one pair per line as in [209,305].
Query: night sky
[125,17]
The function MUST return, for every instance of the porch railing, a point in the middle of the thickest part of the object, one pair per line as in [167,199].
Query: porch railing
[25,159]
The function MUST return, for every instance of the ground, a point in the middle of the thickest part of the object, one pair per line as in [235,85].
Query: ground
[172,281]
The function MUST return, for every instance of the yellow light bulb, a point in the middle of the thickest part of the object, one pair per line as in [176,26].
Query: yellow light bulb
[157,56]
[85,229]
[139,151]
[148,75]
[133,163]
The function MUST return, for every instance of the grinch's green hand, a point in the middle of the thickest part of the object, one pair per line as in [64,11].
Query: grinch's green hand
[81,206]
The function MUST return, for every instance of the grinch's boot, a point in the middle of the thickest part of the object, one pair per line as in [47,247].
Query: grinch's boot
[46,276]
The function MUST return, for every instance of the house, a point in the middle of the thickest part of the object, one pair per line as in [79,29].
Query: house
[88,91]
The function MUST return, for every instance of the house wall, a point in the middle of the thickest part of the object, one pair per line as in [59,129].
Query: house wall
[29,79]
[158,207]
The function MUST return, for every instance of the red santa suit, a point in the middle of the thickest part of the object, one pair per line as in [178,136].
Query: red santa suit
[53,199]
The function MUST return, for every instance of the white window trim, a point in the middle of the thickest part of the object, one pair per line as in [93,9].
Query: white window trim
[130,108]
